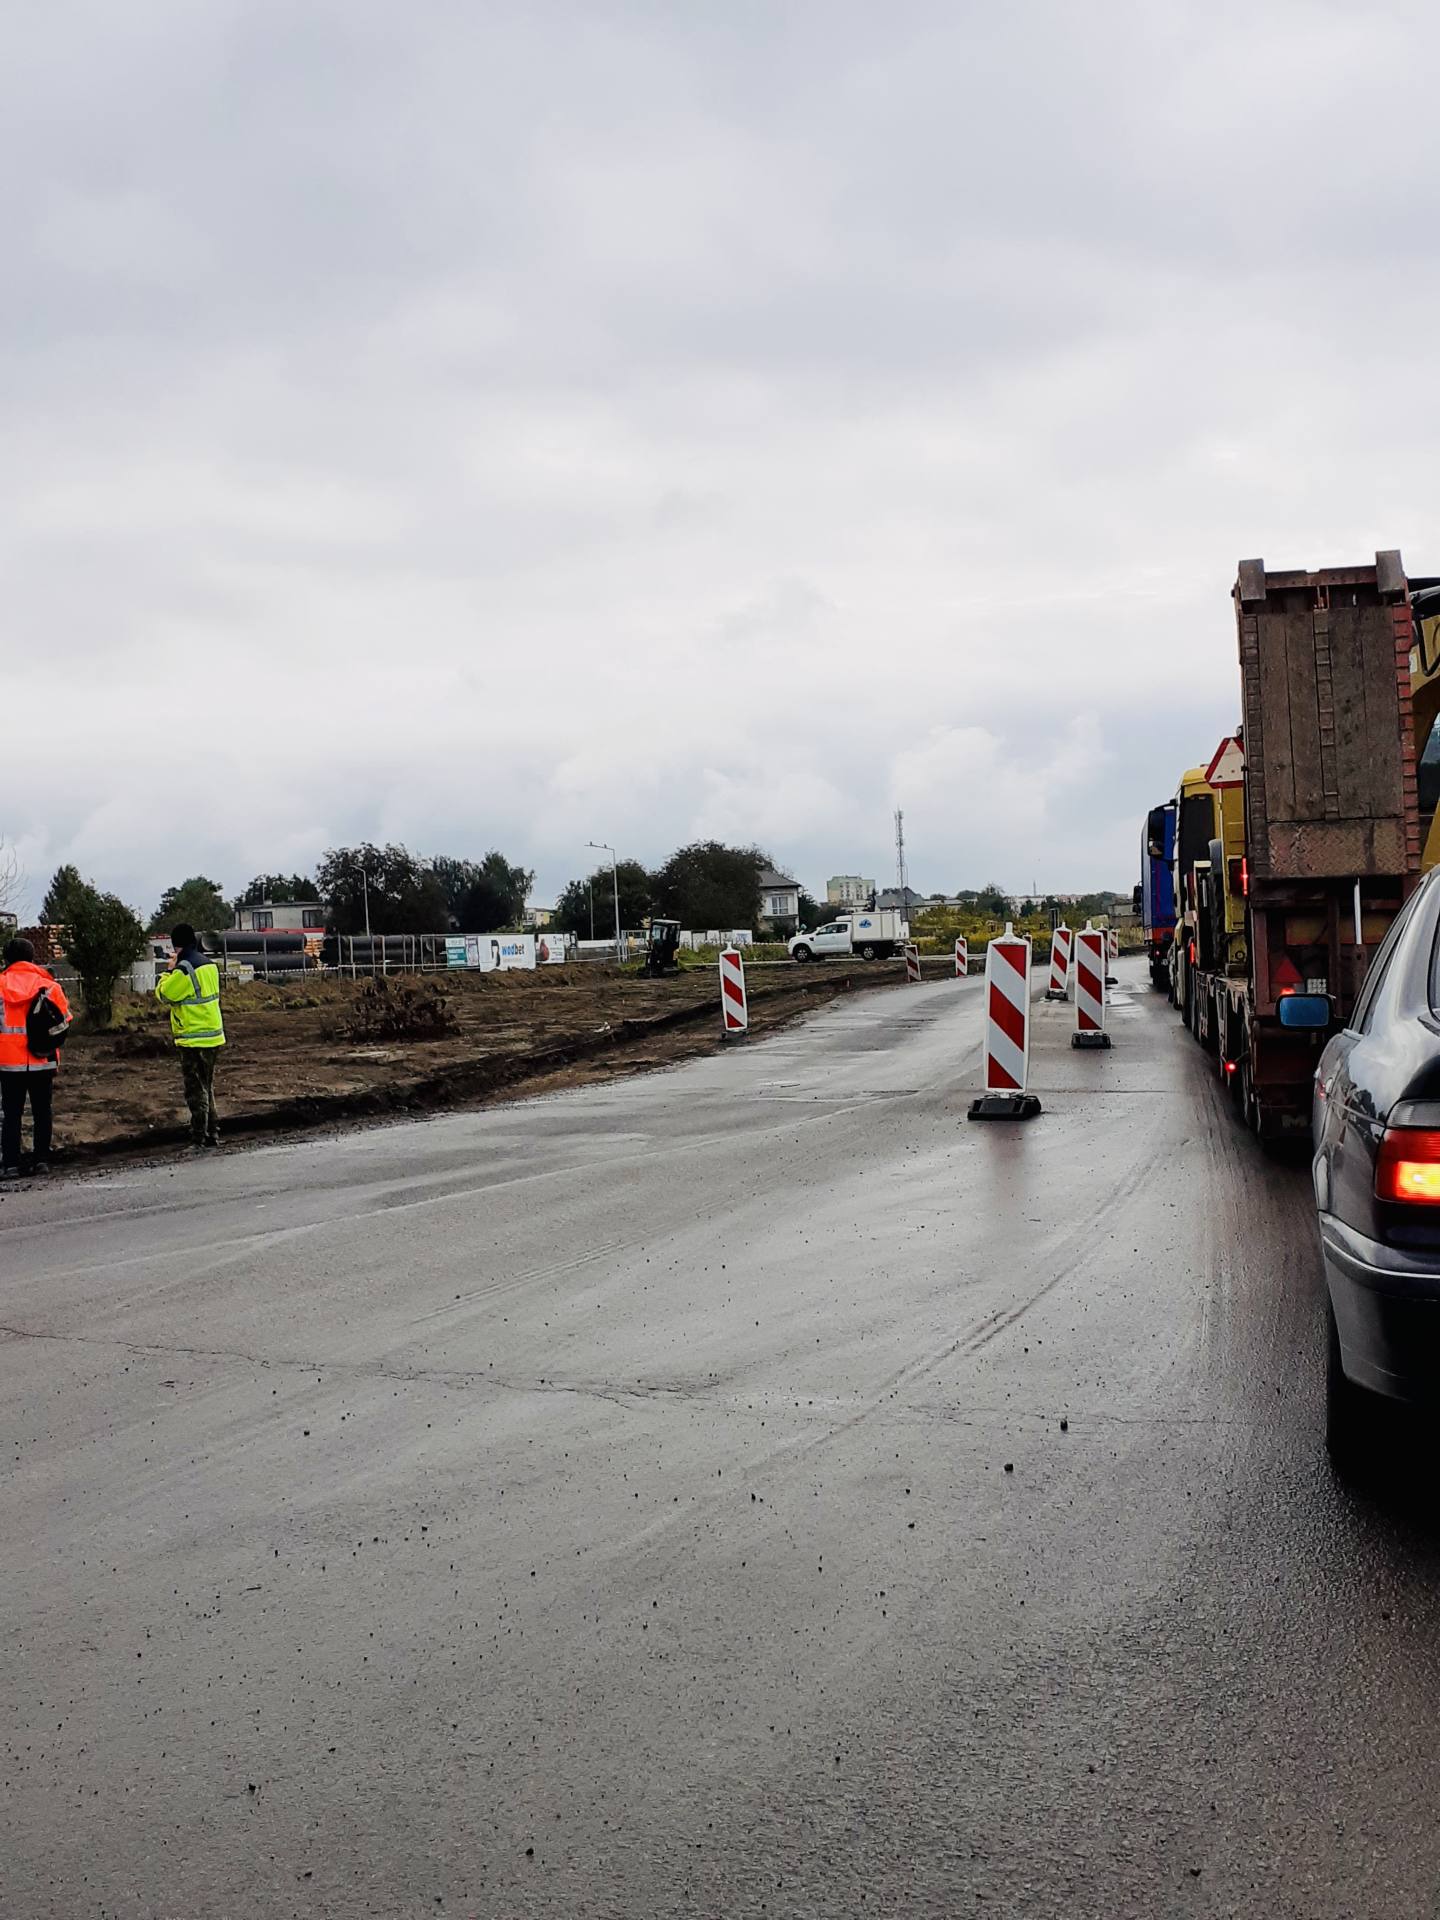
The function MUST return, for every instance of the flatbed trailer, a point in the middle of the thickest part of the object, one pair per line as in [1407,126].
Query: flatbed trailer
[1286,931]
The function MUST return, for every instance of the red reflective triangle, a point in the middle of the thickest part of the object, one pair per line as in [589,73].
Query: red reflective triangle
[1285,973]
[1227,768]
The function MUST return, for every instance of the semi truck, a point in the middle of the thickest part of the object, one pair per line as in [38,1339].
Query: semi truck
[872,933]
[1155,895]
[1313,841]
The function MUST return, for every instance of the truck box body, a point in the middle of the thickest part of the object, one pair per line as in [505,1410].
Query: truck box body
[1325,689]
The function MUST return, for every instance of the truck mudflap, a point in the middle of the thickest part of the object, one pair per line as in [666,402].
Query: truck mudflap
[1279,1073]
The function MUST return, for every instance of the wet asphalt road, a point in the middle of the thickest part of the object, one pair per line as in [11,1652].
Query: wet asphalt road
[604,1505]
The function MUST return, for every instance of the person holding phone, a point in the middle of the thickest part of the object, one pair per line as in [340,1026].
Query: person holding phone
[190,988]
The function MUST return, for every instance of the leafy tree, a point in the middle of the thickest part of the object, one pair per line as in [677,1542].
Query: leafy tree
[483,895]
[711,885]
[55,908]
[811,913]
[404,895]
[198,900]
[456,877]
[276,886]
[572,909]
[103,939]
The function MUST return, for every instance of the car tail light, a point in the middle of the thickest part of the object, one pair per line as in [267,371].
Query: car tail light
[1408,1166]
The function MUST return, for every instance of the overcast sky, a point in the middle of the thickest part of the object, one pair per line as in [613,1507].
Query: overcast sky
[475,424]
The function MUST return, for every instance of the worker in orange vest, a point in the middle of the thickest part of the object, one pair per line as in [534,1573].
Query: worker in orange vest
[34,1019]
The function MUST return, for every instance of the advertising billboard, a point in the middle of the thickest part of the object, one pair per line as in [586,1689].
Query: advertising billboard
[504,952]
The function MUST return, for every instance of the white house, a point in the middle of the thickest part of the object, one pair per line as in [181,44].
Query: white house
[779,901]
[281,916]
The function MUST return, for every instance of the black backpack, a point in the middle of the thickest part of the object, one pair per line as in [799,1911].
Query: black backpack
[45,1027]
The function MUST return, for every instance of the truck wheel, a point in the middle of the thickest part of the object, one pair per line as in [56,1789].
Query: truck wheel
[802,953]
[1351,1414]
[1235,1087]
[868,953]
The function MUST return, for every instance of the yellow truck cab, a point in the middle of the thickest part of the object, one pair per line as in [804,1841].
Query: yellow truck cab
[1194,830]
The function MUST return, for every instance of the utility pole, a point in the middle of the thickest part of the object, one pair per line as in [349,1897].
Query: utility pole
[601,847]
[365,896]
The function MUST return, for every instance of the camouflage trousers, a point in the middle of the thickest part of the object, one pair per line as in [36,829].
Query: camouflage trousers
[197,1064]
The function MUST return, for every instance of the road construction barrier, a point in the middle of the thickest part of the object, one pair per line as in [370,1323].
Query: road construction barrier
[962,957]
[912,965]
[1059,963]
[1114,938]
[1090,952]
[1007,1031]
[734,1007]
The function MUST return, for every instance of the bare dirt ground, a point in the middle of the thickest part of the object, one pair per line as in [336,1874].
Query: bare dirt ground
[292,1061]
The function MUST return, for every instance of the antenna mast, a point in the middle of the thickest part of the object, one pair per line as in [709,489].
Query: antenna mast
[900,875]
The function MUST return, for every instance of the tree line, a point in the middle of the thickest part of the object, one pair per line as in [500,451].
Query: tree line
[706,884]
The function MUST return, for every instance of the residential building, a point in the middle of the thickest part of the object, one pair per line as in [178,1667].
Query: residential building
[537,919]
[779,901]
[848,890]
[281,916]
[906,899]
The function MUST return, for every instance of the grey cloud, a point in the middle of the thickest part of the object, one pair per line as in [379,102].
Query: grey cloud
[561,421]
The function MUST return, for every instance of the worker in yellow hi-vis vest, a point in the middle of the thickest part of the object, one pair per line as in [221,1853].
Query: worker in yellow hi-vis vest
[191,990]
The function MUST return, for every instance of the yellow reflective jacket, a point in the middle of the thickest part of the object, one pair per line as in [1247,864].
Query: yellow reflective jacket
[191,990]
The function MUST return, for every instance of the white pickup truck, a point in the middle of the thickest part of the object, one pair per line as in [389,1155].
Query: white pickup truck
[871,935]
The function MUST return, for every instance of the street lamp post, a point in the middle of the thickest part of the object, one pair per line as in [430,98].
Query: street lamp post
[365,896]
[601,847]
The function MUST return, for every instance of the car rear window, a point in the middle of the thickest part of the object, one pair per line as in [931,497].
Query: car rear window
[1380,966]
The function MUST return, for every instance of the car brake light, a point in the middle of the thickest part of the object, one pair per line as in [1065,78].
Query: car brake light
[1408,1166]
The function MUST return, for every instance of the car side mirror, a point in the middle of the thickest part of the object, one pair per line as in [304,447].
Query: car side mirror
[1304,1010]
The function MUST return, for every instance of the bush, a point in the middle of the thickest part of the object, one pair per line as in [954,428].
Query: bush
[405,1009]
[102,940]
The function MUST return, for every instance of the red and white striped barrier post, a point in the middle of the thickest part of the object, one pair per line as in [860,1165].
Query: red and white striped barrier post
[1112,953]
[1059,963]
[1090,945]
[1007,1031]
[734,1007]
[912,964]
[962,957]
